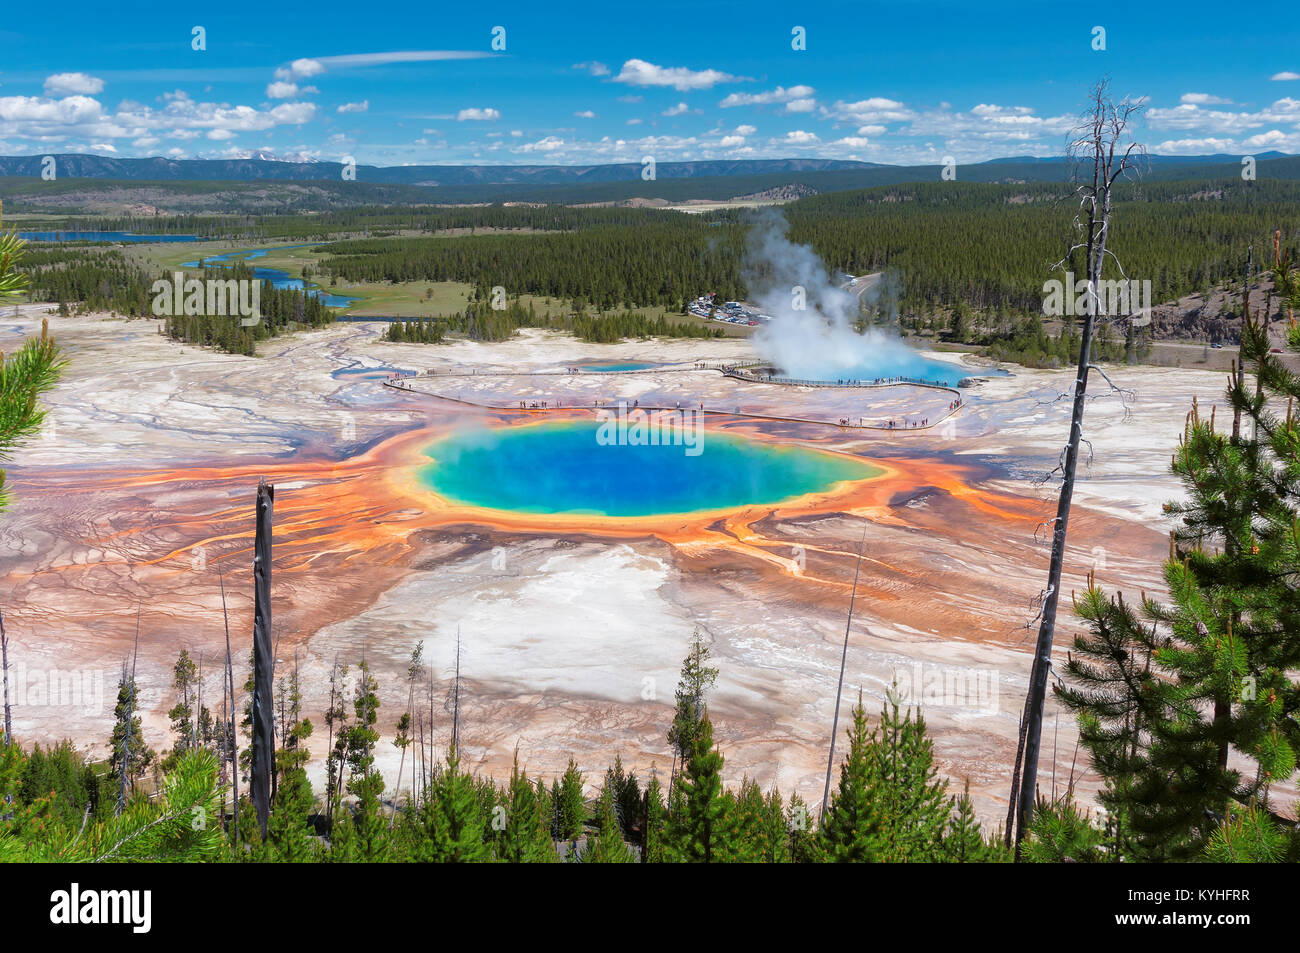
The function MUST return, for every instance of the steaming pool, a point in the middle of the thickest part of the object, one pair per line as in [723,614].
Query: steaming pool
[563,468]
[893,363]
[614,367]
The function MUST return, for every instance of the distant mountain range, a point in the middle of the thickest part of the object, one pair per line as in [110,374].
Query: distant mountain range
[262,167]
[103,185]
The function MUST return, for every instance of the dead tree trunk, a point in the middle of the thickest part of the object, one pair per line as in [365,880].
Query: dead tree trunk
[1099,139]
[263,701]
[9,727]
[230,724]
[4,676]
[839,686]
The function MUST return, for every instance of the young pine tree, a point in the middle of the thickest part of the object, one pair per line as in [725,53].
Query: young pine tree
[526,838]
[568,804]
[1225,648]
[963,842]
[910,799]
[453,824]
[608,846]
[850,829]
[185,676]
[698,830]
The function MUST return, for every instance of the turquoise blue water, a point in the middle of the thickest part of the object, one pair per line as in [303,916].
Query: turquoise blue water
[382,372]
[562,468]
[904,363]
[610,366]
[276,276]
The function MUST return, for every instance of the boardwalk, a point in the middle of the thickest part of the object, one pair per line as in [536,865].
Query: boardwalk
[577,389]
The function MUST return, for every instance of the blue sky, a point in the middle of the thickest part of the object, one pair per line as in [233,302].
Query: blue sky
[392,84]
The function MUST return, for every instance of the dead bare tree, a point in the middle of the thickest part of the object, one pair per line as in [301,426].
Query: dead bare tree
[198,708]
[230,724]
[9,727]
[1102,142]
[432,758]
[452,704]
[412,672]
[4,676]
[839,686]
[263,750]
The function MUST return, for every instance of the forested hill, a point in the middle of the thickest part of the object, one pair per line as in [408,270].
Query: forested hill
[991,246]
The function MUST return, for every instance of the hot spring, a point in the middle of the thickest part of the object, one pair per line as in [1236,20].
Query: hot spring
[563,468]
[614,367]
[894,364]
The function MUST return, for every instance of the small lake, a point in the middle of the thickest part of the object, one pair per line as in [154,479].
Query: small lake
[563,467]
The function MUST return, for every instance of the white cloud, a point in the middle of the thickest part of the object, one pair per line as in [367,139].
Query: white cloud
[801,105]
[594,68]
[1284,75]
[355,107]
[778,95]
[586,114]
[745,130]
[220,134]
[1272,139]
[985,128]
[548,144]
[474,114]
[799,137]
[1190,117]
[280,89]
[728,142]
[876,109]
[634,122]
[852,142]
[303,68]
[641,73]
[84,118]
[63,84]
[678,110]
[1204,99]
[316,65]
[70,110]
